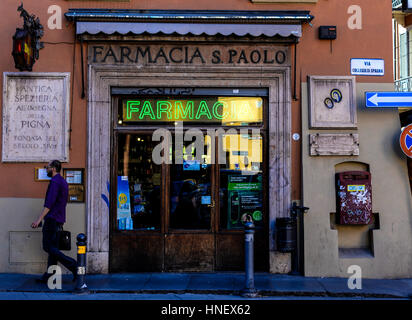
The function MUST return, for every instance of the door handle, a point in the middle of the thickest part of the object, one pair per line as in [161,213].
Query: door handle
[212,205]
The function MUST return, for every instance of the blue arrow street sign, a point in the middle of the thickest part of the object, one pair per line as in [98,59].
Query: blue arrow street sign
[388,99]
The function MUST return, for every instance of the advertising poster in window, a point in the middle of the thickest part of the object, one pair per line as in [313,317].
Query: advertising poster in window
[124,219]
[244,198]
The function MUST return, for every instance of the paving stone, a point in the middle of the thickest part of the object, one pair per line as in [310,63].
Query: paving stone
[173,282]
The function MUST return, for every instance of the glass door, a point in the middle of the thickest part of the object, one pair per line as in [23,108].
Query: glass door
[189,242]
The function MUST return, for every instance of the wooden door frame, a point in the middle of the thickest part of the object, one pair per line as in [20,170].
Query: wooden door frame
[102,78]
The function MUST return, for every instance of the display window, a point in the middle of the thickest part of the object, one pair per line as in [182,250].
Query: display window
[138,184]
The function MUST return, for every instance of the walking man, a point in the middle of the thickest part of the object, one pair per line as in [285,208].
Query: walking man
[54,215]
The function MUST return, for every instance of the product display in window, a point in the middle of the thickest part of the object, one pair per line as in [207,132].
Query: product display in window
[138,186]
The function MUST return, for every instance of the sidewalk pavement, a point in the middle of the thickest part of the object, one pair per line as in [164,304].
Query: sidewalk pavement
[224,283]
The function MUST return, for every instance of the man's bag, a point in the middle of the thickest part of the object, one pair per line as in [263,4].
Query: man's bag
[65,240]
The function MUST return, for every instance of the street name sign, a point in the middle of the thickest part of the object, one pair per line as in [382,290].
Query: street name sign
[388,99]
[367,67]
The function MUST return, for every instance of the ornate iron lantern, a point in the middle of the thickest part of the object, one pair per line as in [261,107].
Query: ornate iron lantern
[26,41]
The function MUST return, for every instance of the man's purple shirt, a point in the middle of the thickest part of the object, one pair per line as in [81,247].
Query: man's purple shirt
[56,198]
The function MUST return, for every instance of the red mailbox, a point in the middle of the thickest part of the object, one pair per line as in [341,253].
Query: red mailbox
[354,197]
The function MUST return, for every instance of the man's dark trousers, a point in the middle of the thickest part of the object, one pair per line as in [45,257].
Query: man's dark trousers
[51,246]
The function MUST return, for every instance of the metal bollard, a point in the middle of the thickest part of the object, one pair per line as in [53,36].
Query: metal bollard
[249,291]
[81,286]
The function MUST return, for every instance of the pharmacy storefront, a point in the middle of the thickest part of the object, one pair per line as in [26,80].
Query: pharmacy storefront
[184,187]
[188,138]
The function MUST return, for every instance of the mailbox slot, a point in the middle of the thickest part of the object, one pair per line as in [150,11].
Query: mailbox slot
[354,198]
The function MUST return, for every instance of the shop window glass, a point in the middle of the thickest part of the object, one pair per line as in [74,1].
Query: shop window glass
[241,180]
[190,187]
[138,184]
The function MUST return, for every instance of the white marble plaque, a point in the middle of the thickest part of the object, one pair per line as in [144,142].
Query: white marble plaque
[332,102]
[36,117]
[334,144]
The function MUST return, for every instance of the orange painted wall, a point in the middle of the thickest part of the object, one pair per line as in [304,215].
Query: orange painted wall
[315,57]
